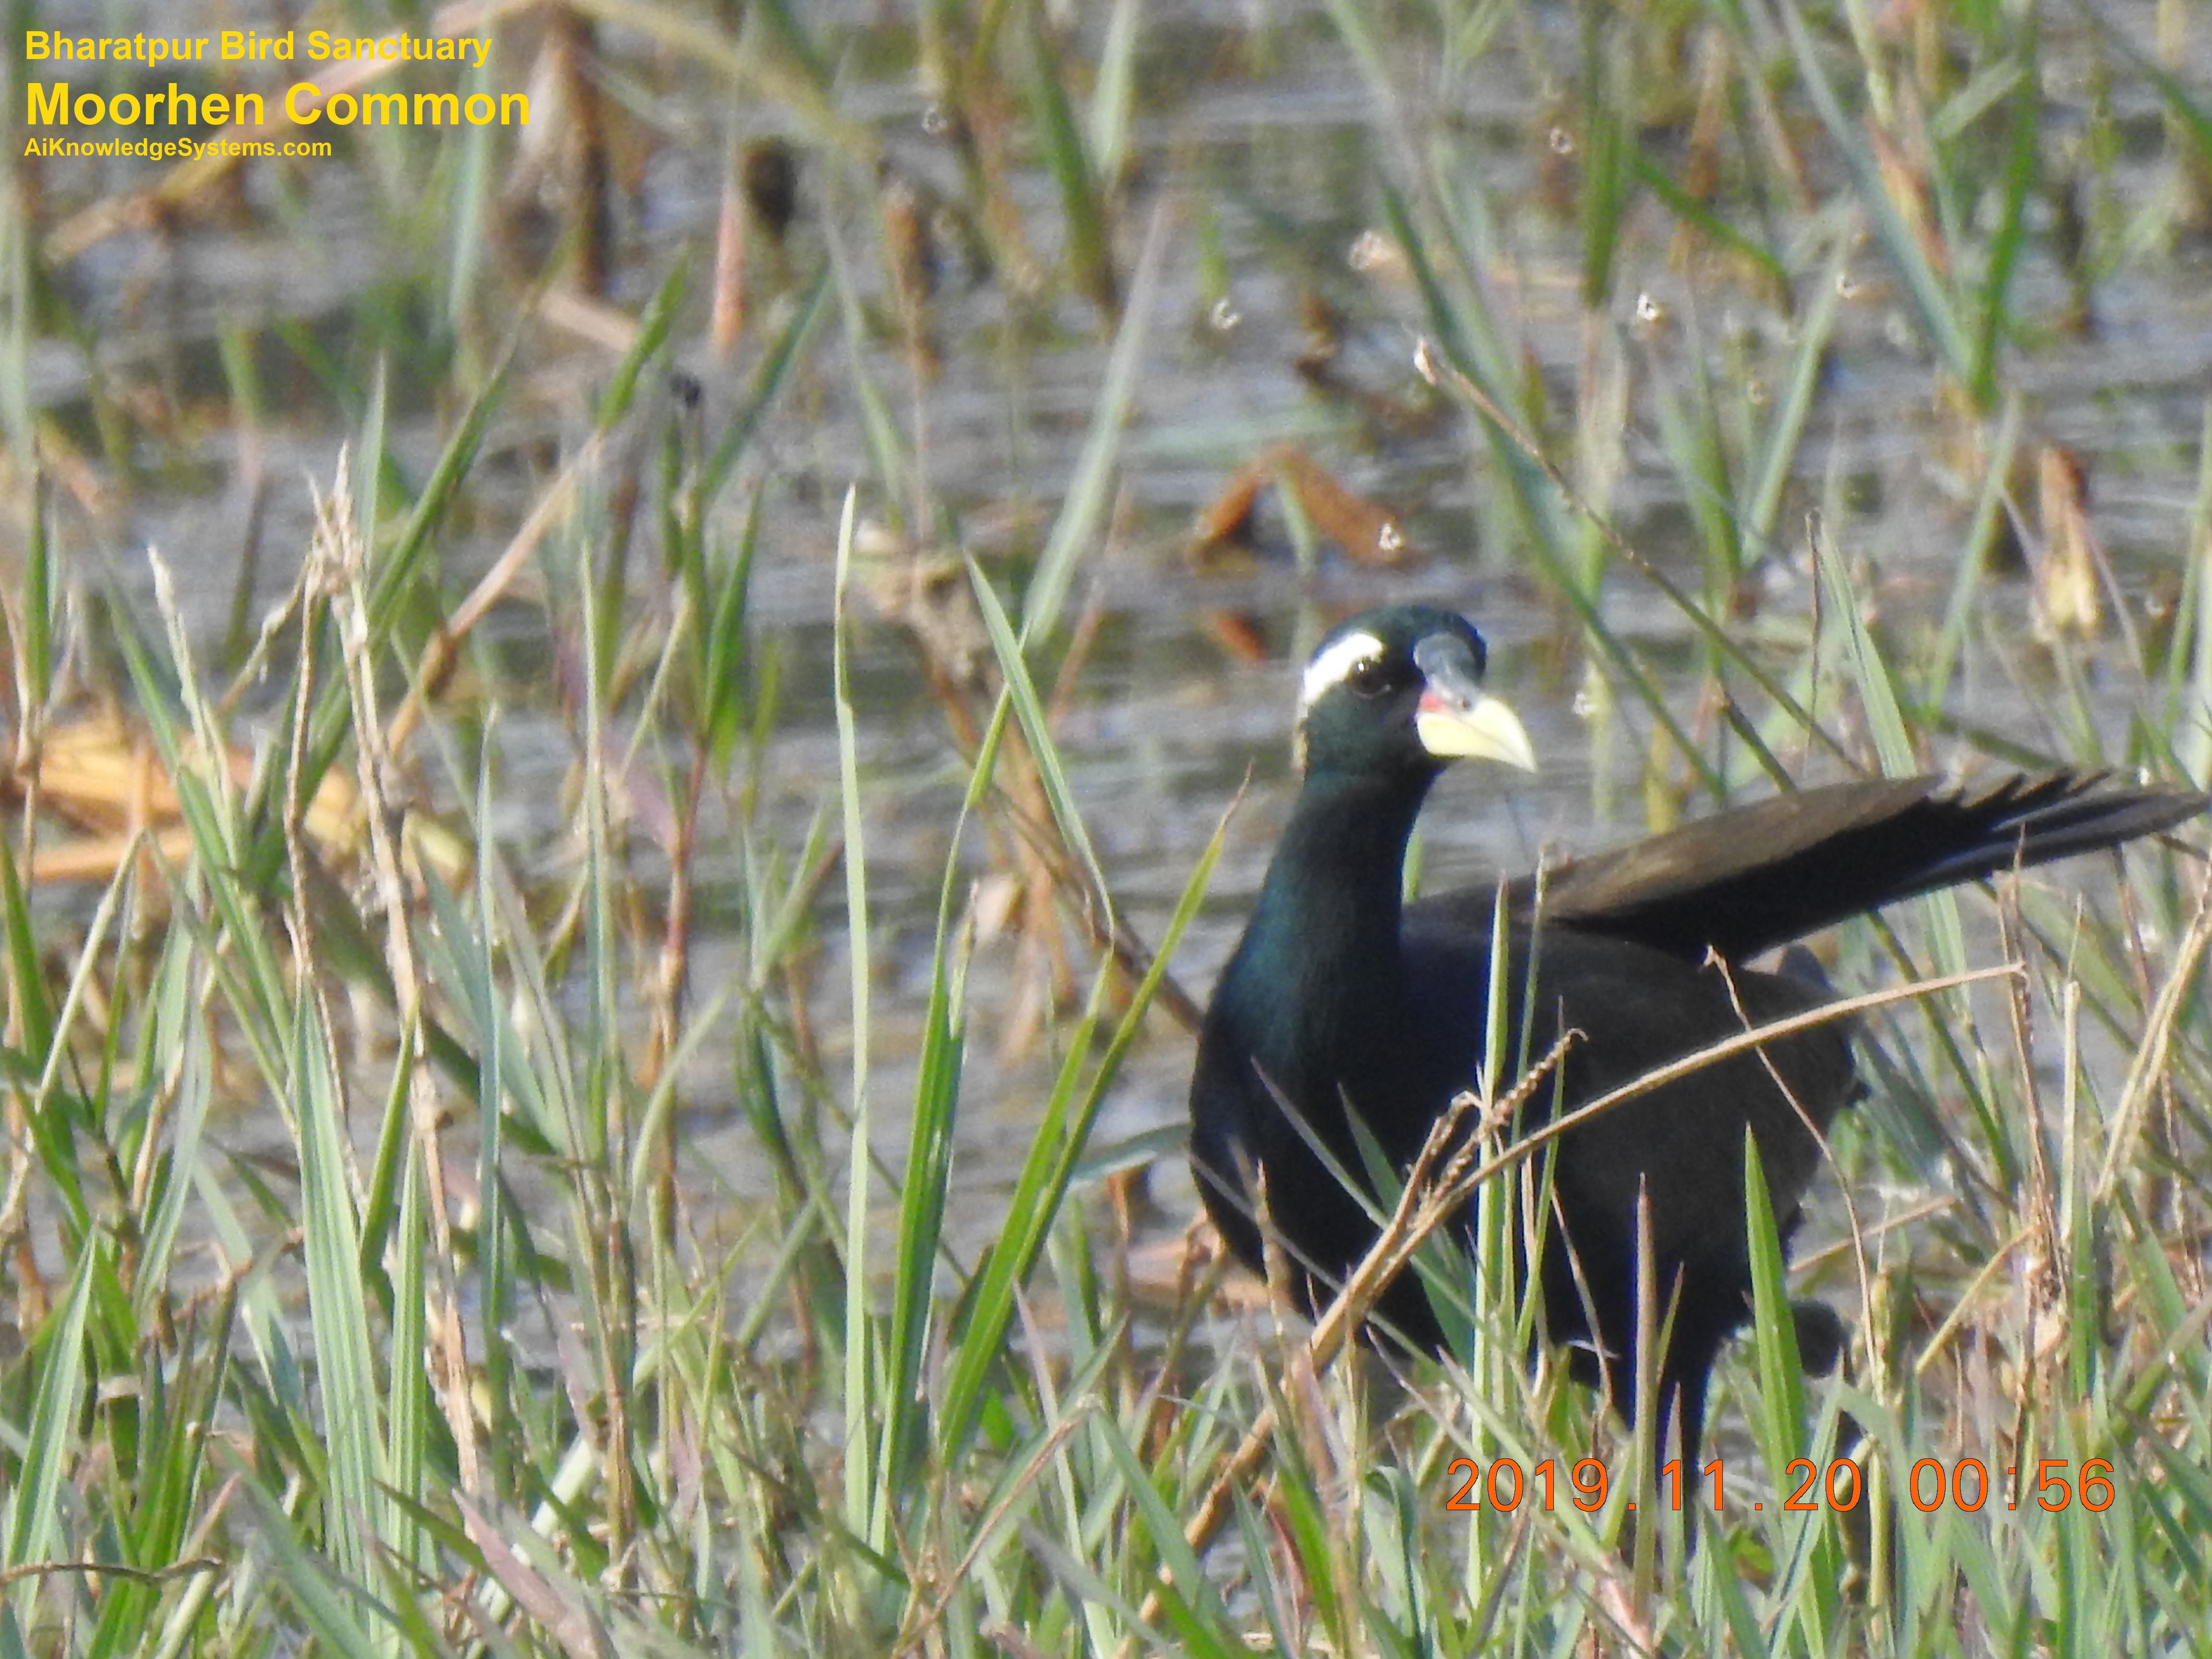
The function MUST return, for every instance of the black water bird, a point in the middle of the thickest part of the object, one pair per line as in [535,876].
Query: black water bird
[1340,998]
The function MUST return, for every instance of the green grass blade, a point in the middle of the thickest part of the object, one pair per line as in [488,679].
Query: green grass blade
[338,1304]
[32,1517]
[927,1185]
[1785,424]
[865,1512]
[1042,1184]
[1083,510]
[1939,321]
[1021,694]
[2021,175]
[653,327]
[325,1606]
[773,374]
[1089,245]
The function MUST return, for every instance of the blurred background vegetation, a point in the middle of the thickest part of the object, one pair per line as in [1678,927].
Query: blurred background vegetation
[618,734]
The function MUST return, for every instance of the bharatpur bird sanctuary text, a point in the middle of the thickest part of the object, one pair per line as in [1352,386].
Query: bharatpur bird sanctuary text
[56,103]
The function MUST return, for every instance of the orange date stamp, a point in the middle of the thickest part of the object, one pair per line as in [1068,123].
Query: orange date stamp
[1964,1484]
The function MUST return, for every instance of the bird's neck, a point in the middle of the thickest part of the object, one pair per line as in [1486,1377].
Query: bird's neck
[1327,922]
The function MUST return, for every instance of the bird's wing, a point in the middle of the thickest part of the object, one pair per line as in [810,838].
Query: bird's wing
[1742,881]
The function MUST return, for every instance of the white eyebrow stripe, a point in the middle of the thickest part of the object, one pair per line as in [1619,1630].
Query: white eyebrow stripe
[1338,658]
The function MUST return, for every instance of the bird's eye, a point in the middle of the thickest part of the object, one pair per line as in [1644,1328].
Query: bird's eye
[1370,677]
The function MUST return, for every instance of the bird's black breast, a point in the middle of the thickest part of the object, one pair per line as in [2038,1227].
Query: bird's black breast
[1398,1050]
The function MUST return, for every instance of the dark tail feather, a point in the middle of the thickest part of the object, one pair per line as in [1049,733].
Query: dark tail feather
[1755,877]
[2037,820]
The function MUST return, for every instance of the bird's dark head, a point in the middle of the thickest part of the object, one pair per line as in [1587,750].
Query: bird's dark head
[1400,690]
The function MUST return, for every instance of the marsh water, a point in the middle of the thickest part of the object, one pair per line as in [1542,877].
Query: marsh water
[1255,167]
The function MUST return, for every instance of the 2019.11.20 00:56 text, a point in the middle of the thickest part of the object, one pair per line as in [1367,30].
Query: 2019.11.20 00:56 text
[1965,1482]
